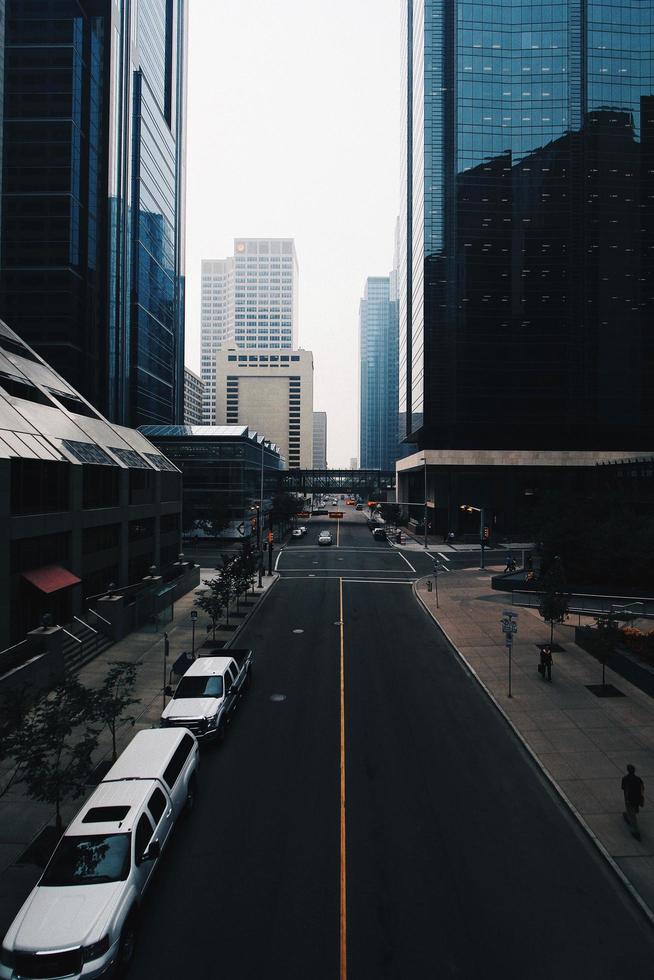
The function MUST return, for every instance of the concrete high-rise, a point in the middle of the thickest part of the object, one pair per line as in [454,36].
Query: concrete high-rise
[92,237]
[527,227]
[270,391]
[193,390]
[320,440]
[249,300]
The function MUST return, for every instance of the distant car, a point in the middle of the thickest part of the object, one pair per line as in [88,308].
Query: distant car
[296,532]
[379,533]
[359,507]
[324,538]
[302,529]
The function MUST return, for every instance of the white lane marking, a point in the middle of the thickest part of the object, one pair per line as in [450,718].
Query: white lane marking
[339,571]
[279,555]
[406,560]
[441,555]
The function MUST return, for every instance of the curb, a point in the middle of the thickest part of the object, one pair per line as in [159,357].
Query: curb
[629,887]
[253,613]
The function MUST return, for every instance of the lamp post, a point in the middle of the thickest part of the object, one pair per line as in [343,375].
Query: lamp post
[165,663]
[194,617]
[470,508]
[260,514]
[509,628]
[424,459]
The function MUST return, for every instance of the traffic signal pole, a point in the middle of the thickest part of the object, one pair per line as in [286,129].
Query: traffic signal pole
[481,535]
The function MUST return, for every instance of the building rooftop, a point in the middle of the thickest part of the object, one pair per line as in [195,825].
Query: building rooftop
[43,417]
[207,432]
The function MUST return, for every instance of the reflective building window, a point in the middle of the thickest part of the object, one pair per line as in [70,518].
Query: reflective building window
[526,273]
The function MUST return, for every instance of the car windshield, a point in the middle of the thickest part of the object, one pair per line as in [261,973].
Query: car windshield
[88,861]
[200,687]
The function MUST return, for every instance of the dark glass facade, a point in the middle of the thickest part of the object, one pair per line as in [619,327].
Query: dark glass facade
[378,376]
[91,250]
[526,293]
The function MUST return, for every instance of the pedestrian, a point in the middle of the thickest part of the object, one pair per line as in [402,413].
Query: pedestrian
[510,563]
[545,667]
[634,797]
[450,537]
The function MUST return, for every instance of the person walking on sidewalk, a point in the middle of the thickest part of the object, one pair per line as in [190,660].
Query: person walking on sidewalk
[545,666]
[634,797]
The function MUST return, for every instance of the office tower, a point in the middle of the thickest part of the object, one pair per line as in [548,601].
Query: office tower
[249,300]
[92,240]
[193,389]
[378,367]
[271,392]
[527,226]
[84,502]
[320,440]
[354,463]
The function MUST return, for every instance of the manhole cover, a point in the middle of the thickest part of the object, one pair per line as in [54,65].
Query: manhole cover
[298,631]
[277,697]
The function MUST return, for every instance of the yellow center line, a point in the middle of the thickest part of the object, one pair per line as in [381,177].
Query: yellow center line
[343,912]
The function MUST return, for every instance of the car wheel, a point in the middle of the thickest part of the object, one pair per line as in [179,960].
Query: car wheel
[127,943]
[191,794]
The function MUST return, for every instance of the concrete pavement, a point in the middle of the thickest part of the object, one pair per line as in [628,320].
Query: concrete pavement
[584,742]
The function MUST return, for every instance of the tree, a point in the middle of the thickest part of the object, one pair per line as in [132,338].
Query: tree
[211,601]
[285,506]
[12,715]
[391,513]
[227,583]
[55,743]
[211,514]
[115,697]
[553,605]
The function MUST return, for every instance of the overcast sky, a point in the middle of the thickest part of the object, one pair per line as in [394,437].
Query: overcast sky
[293,122]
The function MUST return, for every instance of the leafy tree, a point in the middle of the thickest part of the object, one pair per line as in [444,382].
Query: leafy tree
[115,696]
[12,716]
[211,601]
[228,582]
[211,514]
[55,743]
[553,605]
[392,513]
[285,506]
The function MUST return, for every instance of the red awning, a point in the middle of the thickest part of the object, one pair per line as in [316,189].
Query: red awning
[51,578]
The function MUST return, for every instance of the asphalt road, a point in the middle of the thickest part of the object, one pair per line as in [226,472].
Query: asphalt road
[458,860]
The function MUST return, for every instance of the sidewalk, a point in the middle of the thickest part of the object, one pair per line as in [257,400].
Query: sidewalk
[22,819]
[583,742]
[411,543]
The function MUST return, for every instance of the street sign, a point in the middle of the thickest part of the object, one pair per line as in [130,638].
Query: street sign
[509,627]
[337,514]
[194,614]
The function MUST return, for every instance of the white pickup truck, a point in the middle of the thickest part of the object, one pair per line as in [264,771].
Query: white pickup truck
[208,694]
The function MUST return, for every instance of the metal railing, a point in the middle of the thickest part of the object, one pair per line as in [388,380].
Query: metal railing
[586,604]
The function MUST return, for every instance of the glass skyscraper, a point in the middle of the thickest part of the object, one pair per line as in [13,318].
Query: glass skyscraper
[378,345]
[91,250]
[527,224]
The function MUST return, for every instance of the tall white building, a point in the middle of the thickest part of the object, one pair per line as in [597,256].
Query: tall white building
[270,391]
[320,440]
[249,300]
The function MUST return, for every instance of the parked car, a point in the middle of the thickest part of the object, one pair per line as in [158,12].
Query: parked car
[302,529]
[80,919]
[379,534]
[296,532]
[324,538]
[209,692]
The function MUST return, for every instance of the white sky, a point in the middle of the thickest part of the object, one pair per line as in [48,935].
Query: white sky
[293,131]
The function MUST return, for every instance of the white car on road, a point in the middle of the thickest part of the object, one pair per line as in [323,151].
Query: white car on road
[80,921]
[324,538]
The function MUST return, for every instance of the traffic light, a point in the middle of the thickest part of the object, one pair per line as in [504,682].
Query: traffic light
[253,522]
[486,533]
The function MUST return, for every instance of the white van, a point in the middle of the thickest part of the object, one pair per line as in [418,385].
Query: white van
[81,918]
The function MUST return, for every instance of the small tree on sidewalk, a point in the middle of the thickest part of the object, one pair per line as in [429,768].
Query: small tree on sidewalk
[12,716]
[227,584]
[211,601]
[553,605]
[115,696]
[55,743]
